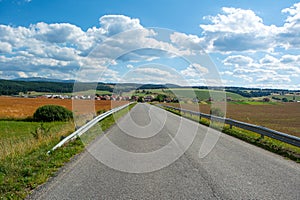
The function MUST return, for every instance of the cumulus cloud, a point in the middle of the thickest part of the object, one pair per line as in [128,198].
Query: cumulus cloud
[268,69]
[129,66]
[5,47]
[188,44]
[290,32]
[194,70]
[62,33]
[113,24]
[64,47]
[238,60]
[237,29]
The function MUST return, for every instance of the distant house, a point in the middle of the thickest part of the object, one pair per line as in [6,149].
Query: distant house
[134,98]
[126,98]
[148,98]
[228,99]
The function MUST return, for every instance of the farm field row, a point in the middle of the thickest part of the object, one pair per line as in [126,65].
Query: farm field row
[14,107]
[282,117]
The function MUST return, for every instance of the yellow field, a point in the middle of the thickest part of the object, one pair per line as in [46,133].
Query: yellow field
[14,107]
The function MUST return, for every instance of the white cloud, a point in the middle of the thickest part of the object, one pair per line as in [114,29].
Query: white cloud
[267,60]
[22,74]
[113,24]
[266,70]
[154,72]
[269,78]
[61,33]
[237,29]
[188,44]
[129,66]
[236,21]
[5,47]
[290,59]
[290,32]
[194,70]
[238,61]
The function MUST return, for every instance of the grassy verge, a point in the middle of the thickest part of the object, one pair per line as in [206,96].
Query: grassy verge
[281,148]
[25,169]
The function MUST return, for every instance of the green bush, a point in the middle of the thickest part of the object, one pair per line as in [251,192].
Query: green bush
[140,99]
[50,113]
[217,112]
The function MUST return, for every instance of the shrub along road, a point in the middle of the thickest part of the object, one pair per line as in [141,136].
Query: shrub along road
[232,170]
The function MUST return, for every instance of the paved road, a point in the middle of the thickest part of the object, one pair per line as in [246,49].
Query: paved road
[232,170]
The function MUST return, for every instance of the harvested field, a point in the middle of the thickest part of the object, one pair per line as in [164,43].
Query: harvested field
[14,107]
[284,117]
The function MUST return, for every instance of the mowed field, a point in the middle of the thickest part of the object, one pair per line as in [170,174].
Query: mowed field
[14,107]
[284,117]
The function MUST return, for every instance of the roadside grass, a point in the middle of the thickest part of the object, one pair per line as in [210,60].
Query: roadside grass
[29,166]
[278,147]
[16,137]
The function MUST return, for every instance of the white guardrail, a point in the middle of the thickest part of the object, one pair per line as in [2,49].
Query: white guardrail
[263,131]
[87,126]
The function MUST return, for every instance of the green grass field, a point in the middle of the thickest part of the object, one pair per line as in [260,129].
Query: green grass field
[20,129]
[190,93]
[24,162]
[201,94]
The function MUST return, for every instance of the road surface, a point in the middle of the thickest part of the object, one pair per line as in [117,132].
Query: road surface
[232,170]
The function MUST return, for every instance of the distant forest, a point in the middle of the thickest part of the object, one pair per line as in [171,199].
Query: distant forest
[9,87]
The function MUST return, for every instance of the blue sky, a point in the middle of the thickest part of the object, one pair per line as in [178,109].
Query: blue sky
[246,43]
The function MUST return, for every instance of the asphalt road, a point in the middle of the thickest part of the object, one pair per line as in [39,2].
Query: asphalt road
[232,170]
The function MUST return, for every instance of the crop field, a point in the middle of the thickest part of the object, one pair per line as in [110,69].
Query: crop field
[284,117]
[14,107]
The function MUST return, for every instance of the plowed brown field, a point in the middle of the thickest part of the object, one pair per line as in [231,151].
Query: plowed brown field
[284,117]
[13,107]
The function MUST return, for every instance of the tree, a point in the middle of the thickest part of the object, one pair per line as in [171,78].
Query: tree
[140,99]
[161,97]
[285,99]
[266,99]
[50,113]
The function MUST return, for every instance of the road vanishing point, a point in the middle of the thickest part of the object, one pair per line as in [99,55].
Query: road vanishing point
[232,170]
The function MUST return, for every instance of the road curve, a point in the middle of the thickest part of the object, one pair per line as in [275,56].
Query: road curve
[232,170]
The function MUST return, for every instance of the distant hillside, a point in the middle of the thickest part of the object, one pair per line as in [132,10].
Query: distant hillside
[9,87]
[37,84]
[40,79]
